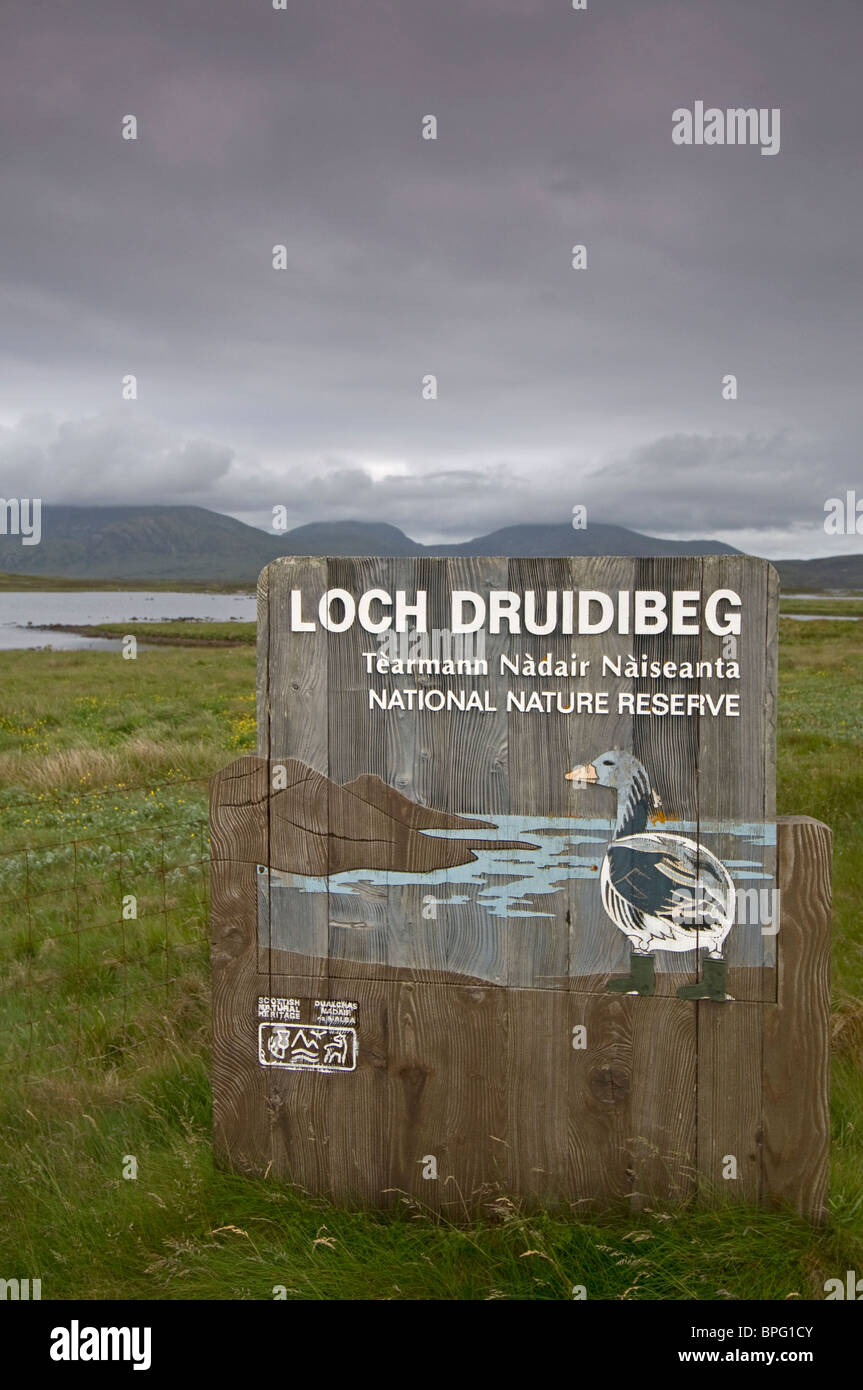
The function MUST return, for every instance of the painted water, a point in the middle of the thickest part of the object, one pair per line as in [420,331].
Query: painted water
[551,883]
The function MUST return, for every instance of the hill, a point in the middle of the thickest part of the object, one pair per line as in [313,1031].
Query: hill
[192,545]
[824,572]
[597,539]
[140,543]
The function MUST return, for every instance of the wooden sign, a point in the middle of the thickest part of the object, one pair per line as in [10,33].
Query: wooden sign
[498,908]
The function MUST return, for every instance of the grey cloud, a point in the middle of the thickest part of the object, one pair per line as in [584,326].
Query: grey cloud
[407,257]
[107,459]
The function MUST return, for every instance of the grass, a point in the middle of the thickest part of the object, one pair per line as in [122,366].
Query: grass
[115,755]
[20,583]
[96,724]
[823,607]
[820,773]
[174,634]
[184,1231]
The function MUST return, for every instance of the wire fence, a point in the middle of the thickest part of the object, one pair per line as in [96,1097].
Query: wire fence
[103,935]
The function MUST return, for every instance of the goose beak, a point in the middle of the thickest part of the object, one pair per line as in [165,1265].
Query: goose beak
[582,774]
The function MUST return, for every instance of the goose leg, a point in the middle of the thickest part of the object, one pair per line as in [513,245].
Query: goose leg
[640,977]
[712,986]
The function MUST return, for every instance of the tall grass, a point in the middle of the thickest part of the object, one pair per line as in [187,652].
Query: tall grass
[118,1044]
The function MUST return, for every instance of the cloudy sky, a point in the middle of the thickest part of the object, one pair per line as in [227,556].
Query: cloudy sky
[406,256]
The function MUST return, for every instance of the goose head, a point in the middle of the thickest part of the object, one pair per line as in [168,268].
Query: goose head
[623,773]
[615,768]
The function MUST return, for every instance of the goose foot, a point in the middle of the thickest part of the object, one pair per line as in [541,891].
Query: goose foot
[712,986]
[638,981]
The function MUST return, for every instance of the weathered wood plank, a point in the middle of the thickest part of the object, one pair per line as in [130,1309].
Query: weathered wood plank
[262,671]
[466,1016]
[734,760]
[734,757]
[797,1027]
[730,1100]
[238,843]
[539,747]
[537,1081]
[418,764]
[357,743]
[297,923]
[669,747]
[632,1100]
[295,688]
[333,1128]
[478,783]
[597,948]
[446,1065]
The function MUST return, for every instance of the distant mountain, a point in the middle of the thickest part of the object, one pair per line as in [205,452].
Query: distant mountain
[825,572]
[345,538]
[194,544]
[561,539]
[141,543]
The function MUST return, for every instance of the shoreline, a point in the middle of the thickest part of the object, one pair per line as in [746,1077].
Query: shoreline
[155,640]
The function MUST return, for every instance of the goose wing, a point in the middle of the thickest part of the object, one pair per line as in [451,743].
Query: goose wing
[672,879]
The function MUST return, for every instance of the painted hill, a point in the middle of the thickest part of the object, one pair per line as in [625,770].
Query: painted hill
[194,545]
[375,792]
[318,827]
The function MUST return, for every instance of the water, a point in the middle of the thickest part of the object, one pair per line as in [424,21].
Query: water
[84,608]
[826,617]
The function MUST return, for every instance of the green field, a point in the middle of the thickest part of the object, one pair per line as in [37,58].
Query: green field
[823,607]
[17,583]
[173,634]
[104,1025]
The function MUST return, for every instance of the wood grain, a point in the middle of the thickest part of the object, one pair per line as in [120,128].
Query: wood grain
[465,1020]
[478,777]
[596,947]
[736,769]
[538,757]
[670,747]
[238,842]
[632,1100]
[797,1027]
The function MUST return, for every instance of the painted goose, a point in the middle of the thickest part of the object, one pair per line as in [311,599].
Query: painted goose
[665,892]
